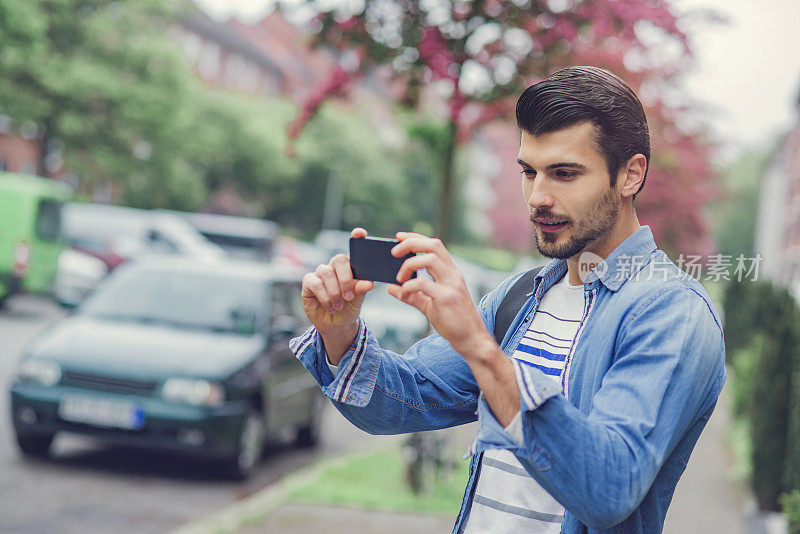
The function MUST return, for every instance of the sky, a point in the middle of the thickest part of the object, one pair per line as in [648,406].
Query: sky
[747,70]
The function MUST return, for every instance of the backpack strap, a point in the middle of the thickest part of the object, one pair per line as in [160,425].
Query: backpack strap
[513,301]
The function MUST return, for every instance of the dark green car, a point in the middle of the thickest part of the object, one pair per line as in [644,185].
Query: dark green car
[174,354]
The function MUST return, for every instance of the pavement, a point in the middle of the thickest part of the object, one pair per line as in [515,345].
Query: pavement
[706,500]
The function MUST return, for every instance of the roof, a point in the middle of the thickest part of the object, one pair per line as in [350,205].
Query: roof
[230,267]
[231,40]
[212,223]
[46,187]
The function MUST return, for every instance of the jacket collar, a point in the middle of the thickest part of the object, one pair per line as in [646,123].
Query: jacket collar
[623,262]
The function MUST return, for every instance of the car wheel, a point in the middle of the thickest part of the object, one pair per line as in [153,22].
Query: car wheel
[309,435]
[35,445]
[250,447]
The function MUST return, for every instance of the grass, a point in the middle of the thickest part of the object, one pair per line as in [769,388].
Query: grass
[376,480]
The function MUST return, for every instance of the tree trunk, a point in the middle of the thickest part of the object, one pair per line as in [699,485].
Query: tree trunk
[44,147]
[416,453]
[446,199]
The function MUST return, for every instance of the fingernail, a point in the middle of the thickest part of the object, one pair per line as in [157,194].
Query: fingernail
[349,295]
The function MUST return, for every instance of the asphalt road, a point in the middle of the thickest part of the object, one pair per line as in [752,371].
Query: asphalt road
[89,487]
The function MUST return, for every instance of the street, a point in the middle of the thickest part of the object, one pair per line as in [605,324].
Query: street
[89,487]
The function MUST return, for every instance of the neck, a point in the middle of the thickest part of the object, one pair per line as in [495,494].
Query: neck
[626,225]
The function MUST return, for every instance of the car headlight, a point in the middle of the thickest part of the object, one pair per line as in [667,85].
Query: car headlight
[45,372]
[192,391]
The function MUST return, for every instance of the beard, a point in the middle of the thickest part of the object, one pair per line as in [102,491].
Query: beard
[597,223]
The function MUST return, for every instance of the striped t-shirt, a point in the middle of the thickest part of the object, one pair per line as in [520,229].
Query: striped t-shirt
[507,499]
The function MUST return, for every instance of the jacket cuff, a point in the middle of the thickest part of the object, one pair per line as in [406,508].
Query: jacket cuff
[534,386]
[355,380]
[534,389]
[491,434]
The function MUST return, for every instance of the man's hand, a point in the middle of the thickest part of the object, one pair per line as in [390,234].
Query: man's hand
[445,300]
[332,300]
[447,304]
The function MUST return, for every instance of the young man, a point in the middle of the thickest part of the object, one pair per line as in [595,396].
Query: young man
[591,405]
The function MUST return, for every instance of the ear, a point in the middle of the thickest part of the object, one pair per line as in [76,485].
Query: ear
[631,176]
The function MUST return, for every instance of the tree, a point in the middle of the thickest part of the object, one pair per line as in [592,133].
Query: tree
[771,407]
[762,322]
[482,53]
[103,81]
[735,217]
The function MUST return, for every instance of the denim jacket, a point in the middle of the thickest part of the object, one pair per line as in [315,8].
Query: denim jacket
[610,442]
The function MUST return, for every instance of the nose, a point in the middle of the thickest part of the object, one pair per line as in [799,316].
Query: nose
[537,193]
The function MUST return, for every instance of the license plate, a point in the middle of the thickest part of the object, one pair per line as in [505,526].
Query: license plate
[101,412]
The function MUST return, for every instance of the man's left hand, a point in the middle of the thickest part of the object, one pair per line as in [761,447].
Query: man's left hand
[445,300]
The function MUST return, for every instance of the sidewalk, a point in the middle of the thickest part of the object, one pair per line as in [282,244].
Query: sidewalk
[304,519]
[705,500]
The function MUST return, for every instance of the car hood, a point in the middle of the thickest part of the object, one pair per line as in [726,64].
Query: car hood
[149,351]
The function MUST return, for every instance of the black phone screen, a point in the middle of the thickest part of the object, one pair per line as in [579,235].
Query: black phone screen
[371,259]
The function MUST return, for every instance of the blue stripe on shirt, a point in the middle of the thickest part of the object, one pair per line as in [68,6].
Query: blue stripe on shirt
[536,351]
[545,370]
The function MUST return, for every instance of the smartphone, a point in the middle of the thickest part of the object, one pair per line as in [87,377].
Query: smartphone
[371,259]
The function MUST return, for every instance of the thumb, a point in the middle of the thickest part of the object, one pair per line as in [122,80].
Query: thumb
[362,286]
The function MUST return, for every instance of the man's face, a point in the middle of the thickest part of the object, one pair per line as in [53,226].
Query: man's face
[567,187]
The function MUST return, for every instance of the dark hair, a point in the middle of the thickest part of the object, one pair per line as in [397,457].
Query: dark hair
[577,94]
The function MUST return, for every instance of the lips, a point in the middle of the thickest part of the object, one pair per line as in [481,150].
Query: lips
[549,225]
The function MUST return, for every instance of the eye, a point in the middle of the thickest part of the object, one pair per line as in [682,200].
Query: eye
[565,175]
[530,173]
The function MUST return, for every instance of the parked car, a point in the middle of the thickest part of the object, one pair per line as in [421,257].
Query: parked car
[333,242]
[30,232]
[241,237]
[77,275]
[117,233]
[396,325]
[174,354]
[300,254]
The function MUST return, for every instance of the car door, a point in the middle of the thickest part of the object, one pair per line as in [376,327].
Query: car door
[290,388]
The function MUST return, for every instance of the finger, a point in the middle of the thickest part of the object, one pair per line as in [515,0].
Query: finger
[432,262]
[314,288]
[416,299]
[421,244]
[344,274]
[362,286]
[358,233]
[405,235]
[326,273]
[425,285]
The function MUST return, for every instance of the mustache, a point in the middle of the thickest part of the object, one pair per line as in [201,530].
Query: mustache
[547,215]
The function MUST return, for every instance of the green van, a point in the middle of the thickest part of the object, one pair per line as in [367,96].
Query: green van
[30,232]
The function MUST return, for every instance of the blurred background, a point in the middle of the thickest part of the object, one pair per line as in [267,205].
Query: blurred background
[169,169]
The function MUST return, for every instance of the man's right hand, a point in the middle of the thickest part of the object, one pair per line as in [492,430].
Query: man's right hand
[332,300]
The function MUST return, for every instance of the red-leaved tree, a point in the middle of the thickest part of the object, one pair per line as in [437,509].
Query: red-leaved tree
[483,53]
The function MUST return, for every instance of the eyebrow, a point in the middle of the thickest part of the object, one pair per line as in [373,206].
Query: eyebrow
[560,165]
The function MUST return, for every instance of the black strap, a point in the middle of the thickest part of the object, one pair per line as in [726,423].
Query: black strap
[511,304]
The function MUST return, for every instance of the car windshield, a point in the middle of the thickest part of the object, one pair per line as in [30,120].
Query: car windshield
[181,299]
